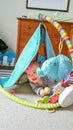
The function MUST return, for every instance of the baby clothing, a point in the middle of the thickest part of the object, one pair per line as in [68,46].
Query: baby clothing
[46,83]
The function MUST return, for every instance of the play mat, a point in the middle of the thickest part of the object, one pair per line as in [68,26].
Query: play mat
[25,59]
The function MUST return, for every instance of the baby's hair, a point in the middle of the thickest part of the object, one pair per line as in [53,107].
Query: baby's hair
[34,63]
[31,64]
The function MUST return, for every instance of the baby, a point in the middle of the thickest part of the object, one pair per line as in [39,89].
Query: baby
[38,83]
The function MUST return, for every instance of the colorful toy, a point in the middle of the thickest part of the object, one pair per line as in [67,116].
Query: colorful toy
[28,103]
[48,99]
[26,57]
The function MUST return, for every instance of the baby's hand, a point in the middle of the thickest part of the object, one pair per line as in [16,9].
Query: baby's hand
[42,93]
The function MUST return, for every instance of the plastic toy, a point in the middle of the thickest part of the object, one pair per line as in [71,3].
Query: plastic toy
[28,103]
[66,97]
[54,98]
[47,90]
[46,99]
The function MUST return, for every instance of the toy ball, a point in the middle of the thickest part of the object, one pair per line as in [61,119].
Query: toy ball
[56,68]
[47,90]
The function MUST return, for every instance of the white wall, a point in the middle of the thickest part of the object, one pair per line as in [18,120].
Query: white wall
[11,9]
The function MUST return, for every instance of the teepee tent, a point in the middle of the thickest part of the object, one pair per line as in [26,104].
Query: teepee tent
[39,40]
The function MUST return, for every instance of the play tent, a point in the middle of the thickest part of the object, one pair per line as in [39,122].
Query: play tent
[28,53]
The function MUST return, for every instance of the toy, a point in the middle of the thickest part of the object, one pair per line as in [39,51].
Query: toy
[54,98]
[49,97]
[12,92]
[46,99]
[47,90]
[25,59]
[65,82]
[54,67]
[28,103]
[66,97]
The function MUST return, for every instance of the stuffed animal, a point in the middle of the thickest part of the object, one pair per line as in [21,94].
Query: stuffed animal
[56,68]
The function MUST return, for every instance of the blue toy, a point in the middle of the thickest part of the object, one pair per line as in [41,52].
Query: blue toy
[10,54]
[54,67]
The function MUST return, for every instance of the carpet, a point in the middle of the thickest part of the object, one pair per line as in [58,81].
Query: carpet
[14,116]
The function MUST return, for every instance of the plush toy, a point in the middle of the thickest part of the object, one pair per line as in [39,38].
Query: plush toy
[56,68]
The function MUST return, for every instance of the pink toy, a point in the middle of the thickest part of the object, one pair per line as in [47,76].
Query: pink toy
[54,98]
[12,92]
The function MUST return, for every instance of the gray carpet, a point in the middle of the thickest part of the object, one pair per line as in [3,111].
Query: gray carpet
[14,116]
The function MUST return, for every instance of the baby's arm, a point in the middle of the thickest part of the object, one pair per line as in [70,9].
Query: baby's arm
[40,91]
[45,91]
[37,89]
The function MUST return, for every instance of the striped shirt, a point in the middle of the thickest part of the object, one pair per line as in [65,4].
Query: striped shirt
[46,83]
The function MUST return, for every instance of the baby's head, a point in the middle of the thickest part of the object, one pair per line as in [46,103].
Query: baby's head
[31,72]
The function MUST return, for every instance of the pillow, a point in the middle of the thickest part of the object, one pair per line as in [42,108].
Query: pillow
[56,68]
